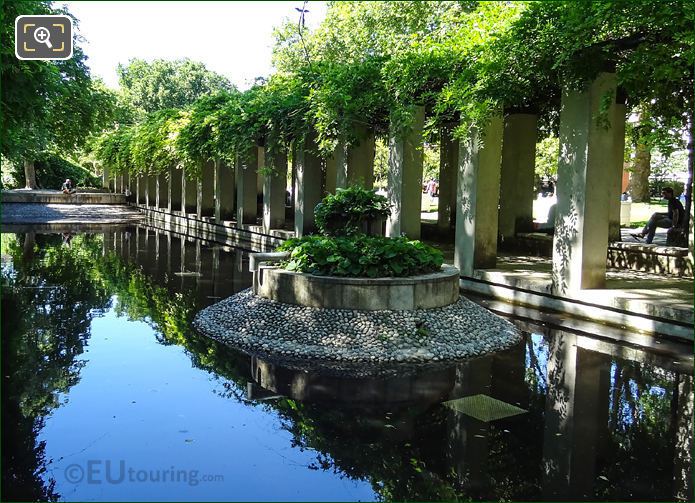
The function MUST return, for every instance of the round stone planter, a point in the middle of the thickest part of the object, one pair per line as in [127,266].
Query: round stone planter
[368,294]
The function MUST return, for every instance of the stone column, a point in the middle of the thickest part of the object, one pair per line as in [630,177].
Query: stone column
[206,190]
[189,187]
[104,177]
[360,161]
[175,189]
[162,190]
[274,188]
[405,178]
[336,167]
[516,179]
[157,189]
[138,190]
[246,178]
[617,124]
[127,188]
[448,171]
[151,190]
[307,187]
[477,197]
[580,243]
[338,158]
[224,191]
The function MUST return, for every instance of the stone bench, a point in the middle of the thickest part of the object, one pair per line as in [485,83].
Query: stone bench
[621,255]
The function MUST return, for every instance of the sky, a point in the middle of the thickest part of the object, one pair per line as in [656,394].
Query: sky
[231,38]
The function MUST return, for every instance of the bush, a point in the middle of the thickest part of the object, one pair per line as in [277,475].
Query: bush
[361,256]
[52,170]
[350,211]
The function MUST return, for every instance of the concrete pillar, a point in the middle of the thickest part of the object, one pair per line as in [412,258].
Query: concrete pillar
[477,197]
[189,188]
[139,190]
[336,167]
[105,177]
[580,243]
[616,170]
[576,418]
[405,178]
[206,190]
[163,190]
[516,178]
[360,160]
[151,190]
[224,191]
[448,171]
[175,189]
[307,187]
[274,187]
[332,168]
[127,187]
[246,178]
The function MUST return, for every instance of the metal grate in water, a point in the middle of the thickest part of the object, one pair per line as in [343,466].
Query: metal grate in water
[484,407]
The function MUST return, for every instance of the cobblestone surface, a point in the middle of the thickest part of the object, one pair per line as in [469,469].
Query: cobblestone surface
[256,324]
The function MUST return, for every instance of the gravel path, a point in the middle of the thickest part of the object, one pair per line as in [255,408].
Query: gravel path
[259,325]
[35,213]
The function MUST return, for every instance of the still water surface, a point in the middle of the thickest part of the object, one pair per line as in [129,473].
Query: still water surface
[109,396]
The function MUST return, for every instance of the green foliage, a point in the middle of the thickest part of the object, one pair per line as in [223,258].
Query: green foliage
[153,144]
[52,170]
[361,256]
[547,155]
[150,87]
[347,211]
[46,105]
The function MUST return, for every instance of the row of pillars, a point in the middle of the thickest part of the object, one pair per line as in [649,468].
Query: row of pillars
[486,184]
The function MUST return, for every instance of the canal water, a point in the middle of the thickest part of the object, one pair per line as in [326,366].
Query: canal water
[108,395]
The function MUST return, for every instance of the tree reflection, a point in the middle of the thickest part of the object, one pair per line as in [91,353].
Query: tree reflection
[50,296]
[417,450]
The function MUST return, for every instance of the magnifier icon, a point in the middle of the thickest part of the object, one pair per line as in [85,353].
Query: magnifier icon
[43,36]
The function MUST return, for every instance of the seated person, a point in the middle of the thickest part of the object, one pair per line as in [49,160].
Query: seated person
[68,187]
[673,219]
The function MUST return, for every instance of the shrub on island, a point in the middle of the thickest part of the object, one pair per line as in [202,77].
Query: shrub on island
[360,256]
[351,211]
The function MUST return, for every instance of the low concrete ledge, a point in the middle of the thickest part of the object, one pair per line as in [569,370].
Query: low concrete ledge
[650,258]
[621,314]
[368,294]
[56,197]
[656,259]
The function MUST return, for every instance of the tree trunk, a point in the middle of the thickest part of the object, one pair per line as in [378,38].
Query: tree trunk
[28,247]
[639,177]
[688,223]
[30,174]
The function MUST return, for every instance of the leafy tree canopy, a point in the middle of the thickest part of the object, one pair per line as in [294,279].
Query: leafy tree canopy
[46,105]
[152,86]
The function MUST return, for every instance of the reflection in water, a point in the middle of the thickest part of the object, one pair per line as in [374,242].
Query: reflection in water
[596,425]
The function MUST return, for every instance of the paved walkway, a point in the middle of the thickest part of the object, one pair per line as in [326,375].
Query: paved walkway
[34,213]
